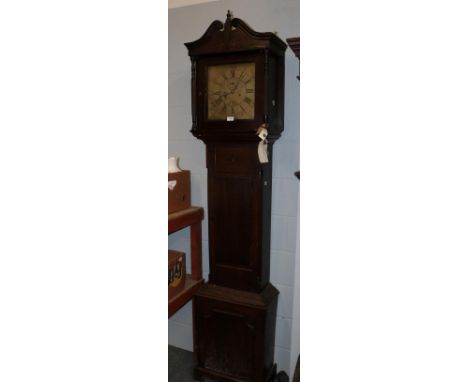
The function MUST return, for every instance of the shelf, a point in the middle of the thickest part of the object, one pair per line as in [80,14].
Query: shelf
[178,301]
[181,219]
[190,217]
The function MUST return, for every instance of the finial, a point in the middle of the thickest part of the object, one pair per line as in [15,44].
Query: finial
[227,27]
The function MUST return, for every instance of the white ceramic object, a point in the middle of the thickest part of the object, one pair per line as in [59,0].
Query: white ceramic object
[171,184]
[173,165]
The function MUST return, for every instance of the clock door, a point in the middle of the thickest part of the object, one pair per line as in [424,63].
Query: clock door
[231,92]
[234,213]
[230,95]
[228,331]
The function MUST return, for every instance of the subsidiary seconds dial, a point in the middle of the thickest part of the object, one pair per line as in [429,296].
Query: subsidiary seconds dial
[231,91]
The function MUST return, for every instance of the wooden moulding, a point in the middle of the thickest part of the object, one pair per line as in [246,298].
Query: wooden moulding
[295,45]
[234,35]
[239,297]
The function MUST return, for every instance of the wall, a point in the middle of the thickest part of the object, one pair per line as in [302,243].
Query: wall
[184,3]
[187,24]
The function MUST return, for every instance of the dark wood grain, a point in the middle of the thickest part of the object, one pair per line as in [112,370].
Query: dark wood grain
[196,250]
[239,215]
[235,332]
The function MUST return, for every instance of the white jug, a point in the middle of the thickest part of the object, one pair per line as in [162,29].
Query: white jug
[173,165]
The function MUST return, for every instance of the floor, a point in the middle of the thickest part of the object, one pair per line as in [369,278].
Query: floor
[181,365]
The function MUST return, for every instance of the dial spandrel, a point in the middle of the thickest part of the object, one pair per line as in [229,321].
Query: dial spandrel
[231,91]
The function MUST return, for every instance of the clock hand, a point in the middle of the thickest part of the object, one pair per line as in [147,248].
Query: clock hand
[237,85]
[230,92]
[240,79]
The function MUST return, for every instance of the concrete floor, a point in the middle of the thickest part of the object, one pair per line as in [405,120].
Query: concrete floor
[181,365]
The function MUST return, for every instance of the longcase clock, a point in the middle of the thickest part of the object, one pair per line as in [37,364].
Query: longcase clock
[237,92]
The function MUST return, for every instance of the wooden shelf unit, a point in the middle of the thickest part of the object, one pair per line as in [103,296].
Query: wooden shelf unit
[190,217]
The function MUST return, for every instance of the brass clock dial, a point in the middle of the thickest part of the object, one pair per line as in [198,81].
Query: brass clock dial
[231,91]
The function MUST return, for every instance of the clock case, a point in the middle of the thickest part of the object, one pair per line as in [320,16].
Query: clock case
[234,315]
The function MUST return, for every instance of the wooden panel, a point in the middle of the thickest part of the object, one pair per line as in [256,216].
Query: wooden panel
[234,333]
[225,332]
[232,219]
[239,206]
[179,197]
[235,159]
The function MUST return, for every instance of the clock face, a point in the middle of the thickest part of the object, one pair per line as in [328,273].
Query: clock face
[231,91]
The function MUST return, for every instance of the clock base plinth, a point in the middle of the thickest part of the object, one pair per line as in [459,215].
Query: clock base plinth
[234,333]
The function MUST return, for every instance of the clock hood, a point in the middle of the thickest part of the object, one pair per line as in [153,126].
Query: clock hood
[234,36]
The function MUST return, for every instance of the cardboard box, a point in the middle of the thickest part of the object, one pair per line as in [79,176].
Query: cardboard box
[179,196]
[176,272]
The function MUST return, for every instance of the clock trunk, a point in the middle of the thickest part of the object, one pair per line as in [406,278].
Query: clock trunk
[239,213]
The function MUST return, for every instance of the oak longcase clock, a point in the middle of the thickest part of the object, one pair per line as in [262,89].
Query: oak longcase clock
[237,91]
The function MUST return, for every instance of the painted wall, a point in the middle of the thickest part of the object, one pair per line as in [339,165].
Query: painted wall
[187,24]
[184,3]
